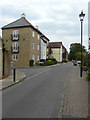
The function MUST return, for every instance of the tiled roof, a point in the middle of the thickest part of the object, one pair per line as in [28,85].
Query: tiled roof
[22,22]
[18,23]
[55,44]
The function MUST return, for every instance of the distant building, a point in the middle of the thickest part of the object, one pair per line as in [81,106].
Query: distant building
[55,49]
[64,53]
[25,42]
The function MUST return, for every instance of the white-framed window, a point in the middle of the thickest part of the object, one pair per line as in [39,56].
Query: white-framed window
[33,57]
[15,46]
[33,33]
[37,47]
[15,57]
[38,57]
[15,35]
[33,46]
[38,37]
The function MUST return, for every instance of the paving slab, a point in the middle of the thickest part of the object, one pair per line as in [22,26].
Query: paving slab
[8,81]
[75,102]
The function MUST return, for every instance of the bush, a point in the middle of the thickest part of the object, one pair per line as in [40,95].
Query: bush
[42,60]
[52,59]
[88,74]
[49,62]
[31,62]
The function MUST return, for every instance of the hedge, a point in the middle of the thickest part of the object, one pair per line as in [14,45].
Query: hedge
[88,74]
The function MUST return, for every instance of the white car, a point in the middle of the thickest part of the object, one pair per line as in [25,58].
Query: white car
[79,62]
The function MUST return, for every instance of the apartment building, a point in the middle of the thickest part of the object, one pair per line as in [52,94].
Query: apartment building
[64,53]
[56,50]
[25,42]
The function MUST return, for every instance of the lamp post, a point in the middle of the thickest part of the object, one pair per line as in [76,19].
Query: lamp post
[81,16]
[3,50]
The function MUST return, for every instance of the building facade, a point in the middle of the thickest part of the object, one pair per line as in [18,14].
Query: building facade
[24,42]
[0,58]
[56,50]
[64,54]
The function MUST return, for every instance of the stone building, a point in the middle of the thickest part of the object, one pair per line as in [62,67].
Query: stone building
[64,53]
[58,51]
[25,42]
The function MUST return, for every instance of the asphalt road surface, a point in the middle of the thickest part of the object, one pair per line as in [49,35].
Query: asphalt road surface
[39,96]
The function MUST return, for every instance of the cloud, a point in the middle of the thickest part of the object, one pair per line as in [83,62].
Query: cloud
[57,19]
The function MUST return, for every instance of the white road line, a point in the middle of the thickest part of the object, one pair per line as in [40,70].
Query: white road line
[37,74]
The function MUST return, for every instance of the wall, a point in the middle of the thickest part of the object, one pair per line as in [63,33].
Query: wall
[36,42]
[7,64]
[0,59]
[57,53]
[43,50]
[24,45]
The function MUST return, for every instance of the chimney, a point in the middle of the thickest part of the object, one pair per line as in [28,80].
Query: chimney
[36,27]
[23,15]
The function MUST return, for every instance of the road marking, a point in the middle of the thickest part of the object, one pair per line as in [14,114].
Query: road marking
[37,74]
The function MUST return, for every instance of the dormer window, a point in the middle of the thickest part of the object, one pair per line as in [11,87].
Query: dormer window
[15,35]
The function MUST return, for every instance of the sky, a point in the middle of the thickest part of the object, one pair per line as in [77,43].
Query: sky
[56,19]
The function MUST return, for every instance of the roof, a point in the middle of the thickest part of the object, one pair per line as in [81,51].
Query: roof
[55,44]
[22,22]
[18,23]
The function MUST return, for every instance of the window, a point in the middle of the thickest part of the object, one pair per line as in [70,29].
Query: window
[33,46]
[14,57]
[37,47]
[33,34]
[15,35]
[15,47]
[33,57]
[38,37]
[38,57]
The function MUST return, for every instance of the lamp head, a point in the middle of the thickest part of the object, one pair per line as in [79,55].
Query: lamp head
[81,16]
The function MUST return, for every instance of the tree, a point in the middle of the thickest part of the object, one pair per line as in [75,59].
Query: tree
[75,51]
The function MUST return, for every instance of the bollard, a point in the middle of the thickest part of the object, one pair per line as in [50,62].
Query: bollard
[14,74]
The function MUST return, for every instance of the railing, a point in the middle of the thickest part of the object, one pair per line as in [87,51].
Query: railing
[15,49]
[14,37]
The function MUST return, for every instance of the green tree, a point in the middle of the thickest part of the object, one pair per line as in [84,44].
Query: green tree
[75,51]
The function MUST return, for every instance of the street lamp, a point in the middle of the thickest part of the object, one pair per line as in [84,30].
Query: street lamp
[81,16]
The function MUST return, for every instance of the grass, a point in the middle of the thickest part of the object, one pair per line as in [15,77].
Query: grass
[21,80]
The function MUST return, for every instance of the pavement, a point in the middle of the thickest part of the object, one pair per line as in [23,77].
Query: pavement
[8,81]
[75,98]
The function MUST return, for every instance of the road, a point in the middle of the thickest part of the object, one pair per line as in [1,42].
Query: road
[39,96]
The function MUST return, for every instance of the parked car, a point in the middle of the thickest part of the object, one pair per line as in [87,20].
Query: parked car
[79,62]
[75,63]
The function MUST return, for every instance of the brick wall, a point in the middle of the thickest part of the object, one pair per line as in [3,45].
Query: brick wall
[25,45]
